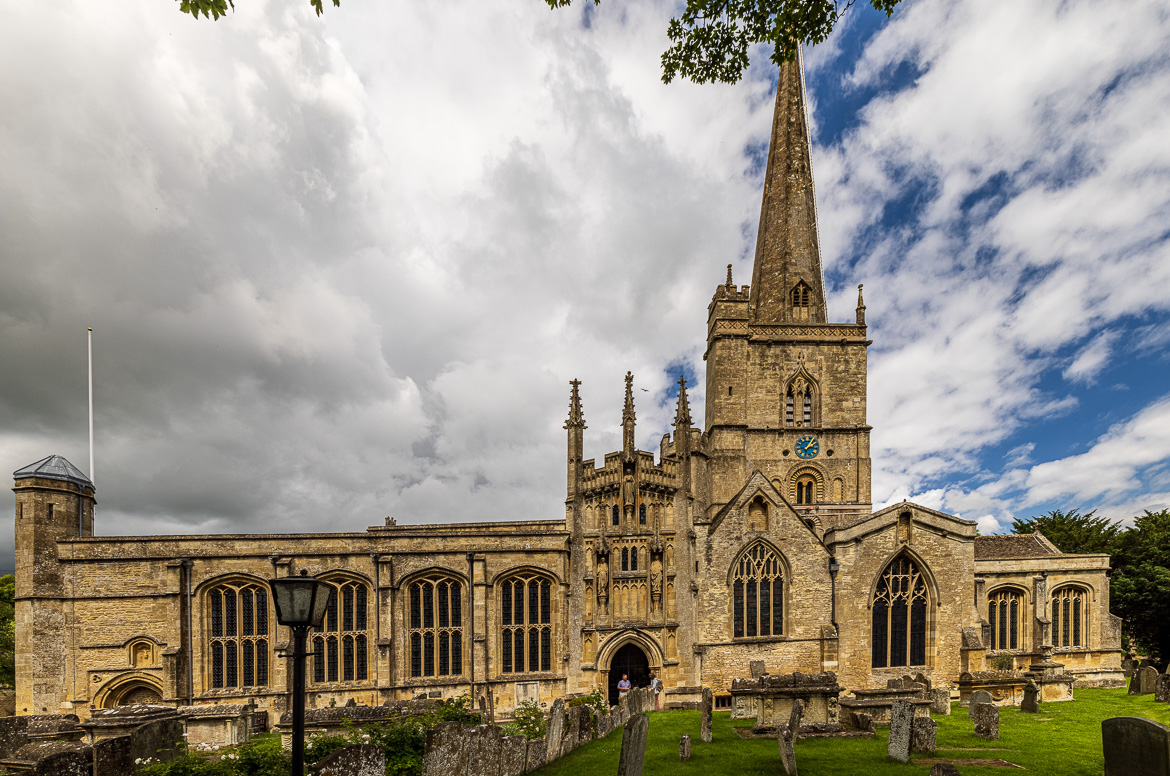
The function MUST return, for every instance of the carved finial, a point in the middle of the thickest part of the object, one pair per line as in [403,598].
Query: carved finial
[729,283]
[860,305]
[576,419]
[628,410]
[682,415]
[628,418]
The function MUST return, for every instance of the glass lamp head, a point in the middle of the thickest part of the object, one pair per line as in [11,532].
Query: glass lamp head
[300,601]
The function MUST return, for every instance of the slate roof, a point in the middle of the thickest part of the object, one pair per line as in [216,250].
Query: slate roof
[1014,547]
[54,468]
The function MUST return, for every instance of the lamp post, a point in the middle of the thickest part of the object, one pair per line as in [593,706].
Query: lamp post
[300,605]
[834,567]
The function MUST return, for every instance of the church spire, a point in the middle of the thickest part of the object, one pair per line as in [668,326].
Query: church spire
[788,283]
[682,415]
[576,418]
[628,418]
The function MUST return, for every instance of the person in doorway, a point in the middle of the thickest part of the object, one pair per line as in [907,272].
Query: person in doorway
[656,686]
[623,685]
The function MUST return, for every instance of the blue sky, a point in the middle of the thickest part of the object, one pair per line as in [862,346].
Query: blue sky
[344,267]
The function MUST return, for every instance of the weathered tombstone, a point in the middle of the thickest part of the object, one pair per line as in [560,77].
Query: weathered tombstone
[986,718]
[63,764]
[940,700]
[1162,688]
[634,736]
[556,729]
[483,750]
[1128,666]
[1145,679]
[445,750]
[786,733]
[537,754]
[1031,702]
[977,697]
[684,747]
[353,760]
[13,735]
[901,727]
[757,668]
[157,739]
[580,725]
[513,755]
[708,709]
[111,757]
[923,735]
[921,679]
[893,684]
[1134,745]
[944,769]
[920,688]
[863,721]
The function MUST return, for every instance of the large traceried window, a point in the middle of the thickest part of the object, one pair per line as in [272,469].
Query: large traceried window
[435,609]
[757,594]
[1004,611]
[526,617]
[238,637]
[341,644]
[899,616]
[1068,617]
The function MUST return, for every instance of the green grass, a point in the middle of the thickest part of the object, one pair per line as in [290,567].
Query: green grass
[1064,739]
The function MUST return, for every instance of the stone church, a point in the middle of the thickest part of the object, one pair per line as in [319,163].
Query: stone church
[750,538]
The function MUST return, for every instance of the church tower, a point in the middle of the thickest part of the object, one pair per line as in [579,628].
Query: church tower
[786,389]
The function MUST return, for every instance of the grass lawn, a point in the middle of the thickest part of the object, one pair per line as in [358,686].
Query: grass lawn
[1063,739]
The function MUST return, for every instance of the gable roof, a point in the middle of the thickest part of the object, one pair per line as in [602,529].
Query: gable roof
[53,468]
[1014,546]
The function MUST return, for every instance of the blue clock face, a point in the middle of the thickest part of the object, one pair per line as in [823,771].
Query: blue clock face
[807,447]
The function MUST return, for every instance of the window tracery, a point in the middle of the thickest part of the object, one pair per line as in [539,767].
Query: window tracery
[435,605]
[238,642]
[1004,609]
[757,594]
[1068,617]
[526,620]
[899,616]
[341,644]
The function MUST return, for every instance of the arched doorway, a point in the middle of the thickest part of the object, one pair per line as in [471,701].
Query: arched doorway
[632,661]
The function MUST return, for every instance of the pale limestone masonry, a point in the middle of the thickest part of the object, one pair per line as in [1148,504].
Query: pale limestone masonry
[750,540]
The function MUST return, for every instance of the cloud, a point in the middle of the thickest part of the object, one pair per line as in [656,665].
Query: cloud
[1092,358]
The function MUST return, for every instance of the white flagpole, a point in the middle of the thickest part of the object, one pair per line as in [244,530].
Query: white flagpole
[90,404]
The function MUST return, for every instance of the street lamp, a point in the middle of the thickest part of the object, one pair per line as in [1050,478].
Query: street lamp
[300,605]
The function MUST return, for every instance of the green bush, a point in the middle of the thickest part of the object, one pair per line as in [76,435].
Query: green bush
[594,699]
[529,721]
[1003,662]
[262,756]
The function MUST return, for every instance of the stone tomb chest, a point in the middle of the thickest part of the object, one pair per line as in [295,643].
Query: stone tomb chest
[878,703]
[769,698]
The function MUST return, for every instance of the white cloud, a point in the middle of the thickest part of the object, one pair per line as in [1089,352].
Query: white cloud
[1092,358]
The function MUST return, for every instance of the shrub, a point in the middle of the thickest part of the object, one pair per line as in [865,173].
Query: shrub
[529,721]
[1003,662]
[594,699]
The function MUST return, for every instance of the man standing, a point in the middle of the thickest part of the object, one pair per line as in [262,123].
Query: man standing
[623,686]
[656,686]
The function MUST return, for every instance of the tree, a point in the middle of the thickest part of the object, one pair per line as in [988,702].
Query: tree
[1073,532]
[1140,590]
[709,41]
[7,630]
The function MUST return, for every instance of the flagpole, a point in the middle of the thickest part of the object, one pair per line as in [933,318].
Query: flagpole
[90,343]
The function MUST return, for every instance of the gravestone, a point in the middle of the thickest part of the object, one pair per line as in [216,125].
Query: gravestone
[634,736]
[921,679]
[863,721]
[757,668]
[537,754]
[708,709]
[1134,745]
[1031,702]
[923,735]
[786,733]
[1162,688]
[445,750]
[893,684]
[1128,666]
[353,760]
[919,688]
[901,728]
[977,697]
[513,756]
[556,730]
[63,764]
[940,701]
[684,747]
[1143,681]
[111,757]
[944,769]
[483,750]
[986,718]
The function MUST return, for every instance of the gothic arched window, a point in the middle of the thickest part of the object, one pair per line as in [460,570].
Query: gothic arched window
[801,298]
[1004,609]
[1068,617]
[800,403]
[899,616]
[436,626]
[341,644]
[526,617]
[625,558]
[633,559]
[642,514]
[238,637]
[616,515]
[757,594]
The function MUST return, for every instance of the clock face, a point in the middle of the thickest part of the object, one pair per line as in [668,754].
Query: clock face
[807,447]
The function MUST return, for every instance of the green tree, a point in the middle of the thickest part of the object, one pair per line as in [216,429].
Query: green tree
[709,40]
[1140,589]
[8,630]
[1073,532]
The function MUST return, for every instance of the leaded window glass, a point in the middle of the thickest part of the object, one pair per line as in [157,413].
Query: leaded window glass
[339,645]
[238,635]
[436,626]
[899,616]
[1004,609]
[526,617]
[757,594]
[1068,617]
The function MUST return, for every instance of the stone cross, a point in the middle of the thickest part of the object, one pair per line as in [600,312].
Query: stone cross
[708,710]
[1134,745]
[1031,702]
[786,737]
[901,728]
[986,718]
[634,736]
[684,747]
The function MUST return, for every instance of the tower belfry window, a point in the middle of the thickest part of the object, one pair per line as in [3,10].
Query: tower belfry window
[616,515]
[807,407]
[801,298]
[642,514]
[789,403]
